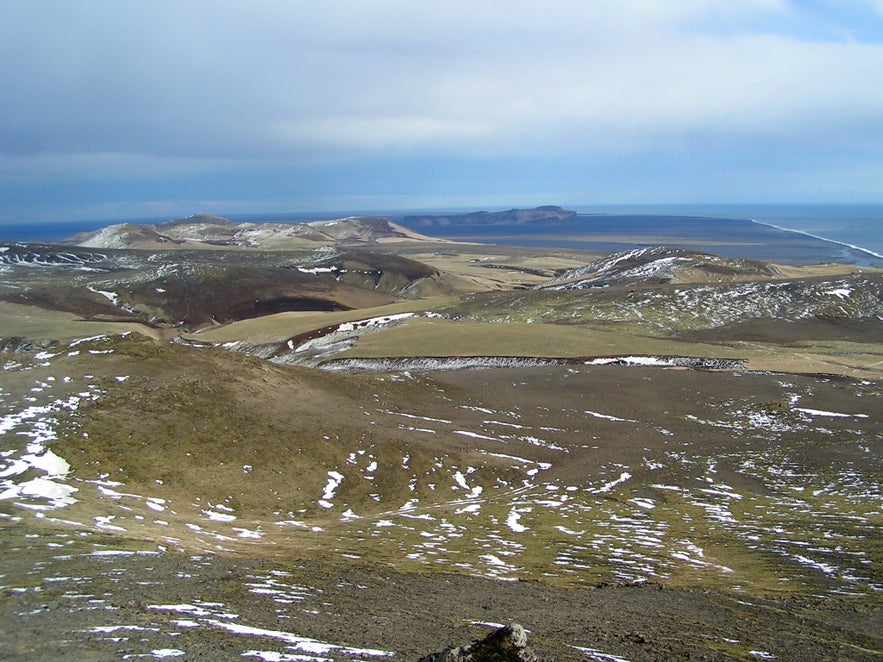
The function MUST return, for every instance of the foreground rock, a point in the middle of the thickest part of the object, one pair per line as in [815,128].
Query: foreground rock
[508,644]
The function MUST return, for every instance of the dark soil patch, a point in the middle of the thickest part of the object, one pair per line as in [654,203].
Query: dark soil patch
[261,306]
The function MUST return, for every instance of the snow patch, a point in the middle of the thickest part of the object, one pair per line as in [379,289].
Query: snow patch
[512,521]
[334,480]
[608,417]
[623,477]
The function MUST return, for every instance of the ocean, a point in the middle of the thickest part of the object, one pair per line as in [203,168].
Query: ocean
[793,234]
[787,234]
[856,225]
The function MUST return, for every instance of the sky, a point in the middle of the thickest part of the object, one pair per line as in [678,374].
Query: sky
[115,109]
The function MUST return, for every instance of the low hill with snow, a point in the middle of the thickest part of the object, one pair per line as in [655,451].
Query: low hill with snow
[660,264]
[206,231]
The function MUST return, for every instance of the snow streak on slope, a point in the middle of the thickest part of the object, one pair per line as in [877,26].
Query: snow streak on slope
[521,490]
[858,297]
[32,474]
[39,255]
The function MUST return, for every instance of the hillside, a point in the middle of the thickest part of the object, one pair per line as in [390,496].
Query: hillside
[186,289]
[657,265]
[206,231]
[236,481]
[316,452]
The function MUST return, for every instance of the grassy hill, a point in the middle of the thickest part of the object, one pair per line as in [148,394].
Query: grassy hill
[649,455]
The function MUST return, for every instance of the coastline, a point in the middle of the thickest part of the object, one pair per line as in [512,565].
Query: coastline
[854,247]
[625,228]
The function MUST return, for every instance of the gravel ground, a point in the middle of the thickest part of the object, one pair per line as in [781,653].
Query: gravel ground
[80,597]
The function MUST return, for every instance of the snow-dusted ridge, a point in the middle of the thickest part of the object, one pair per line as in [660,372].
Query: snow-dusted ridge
[656,264]
[42,255]
[221,232]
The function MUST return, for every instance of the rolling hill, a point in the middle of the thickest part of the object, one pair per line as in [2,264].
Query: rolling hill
[206,231]
[346,449]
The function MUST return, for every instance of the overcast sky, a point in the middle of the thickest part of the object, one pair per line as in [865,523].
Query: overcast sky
[124,109]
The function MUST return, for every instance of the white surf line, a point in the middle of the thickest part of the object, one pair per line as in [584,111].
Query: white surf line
[820,238]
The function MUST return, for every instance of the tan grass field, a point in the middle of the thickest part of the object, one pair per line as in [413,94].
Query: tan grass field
[38,323]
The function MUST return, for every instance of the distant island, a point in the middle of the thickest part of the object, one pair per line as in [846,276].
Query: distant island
[542,214]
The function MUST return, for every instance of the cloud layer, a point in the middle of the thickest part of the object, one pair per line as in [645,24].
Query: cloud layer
[109,105]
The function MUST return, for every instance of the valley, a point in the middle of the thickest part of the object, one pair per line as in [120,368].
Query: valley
[382,443]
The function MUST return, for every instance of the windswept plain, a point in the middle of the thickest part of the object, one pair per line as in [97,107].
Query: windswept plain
[352,441]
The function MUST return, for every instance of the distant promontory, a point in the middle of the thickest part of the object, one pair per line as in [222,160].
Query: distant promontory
[548,213]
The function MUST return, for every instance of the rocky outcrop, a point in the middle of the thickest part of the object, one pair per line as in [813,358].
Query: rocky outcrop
[18,344]
[508,644]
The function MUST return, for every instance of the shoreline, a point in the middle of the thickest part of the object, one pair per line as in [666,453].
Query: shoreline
[48,233]
[854,247]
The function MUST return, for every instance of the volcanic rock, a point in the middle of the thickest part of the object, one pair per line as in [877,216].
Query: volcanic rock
[507,644]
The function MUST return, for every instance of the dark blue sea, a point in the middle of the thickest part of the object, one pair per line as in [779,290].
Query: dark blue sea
[857,225]
[789,234]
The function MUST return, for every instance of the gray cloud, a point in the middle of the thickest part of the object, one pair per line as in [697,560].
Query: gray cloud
[200,85]
[201,78]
